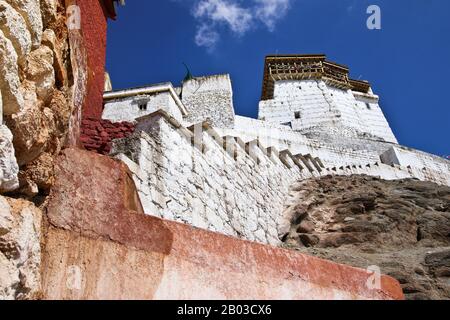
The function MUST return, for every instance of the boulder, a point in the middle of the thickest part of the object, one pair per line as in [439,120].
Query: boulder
[49,12]
[14,27]
[20,249]
[39,70]
[9,77]
[31,11]
[8,164]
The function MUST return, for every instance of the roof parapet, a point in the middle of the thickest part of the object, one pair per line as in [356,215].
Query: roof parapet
[302,67]
[158,88]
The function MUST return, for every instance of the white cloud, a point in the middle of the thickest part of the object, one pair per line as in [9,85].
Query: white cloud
[270,11]
[237,18]
[213,15]
[206,36]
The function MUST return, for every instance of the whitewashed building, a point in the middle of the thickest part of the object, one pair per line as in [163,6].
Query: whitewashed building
[194,160]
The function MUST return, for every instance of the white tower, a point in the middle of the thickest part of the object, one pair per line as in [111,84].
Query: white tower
[311,94]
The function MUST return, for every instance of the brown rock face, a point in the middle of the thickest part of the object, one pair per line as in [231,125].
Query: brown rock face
[20,251]
[401,226]
[41,124]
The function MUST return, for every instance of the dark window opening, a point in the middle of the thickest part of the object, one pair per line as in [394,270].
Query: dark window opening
[298,115]
[142,106]
[368,106]
[300,87]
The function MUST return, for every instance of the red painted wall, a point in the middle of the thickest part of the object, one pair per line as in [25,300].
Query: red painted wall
[98,230]
[97,134]
[89,130]
[94,31]
[88,55]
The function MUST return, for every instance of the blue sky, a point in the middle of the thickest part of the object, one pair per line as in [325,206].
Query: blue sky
[407,61]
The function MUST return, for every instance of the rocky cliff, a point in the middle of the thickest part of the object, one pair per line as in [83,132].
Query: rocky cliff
[35,86]
[401,226]
[20,250]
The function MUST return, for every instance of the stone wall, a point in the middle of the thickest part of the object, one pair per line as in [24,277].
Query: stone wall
[9,169]
[35,91]
[283,137]
[312,103]
[306,97]
[208,189]
[345,128]
[211,98]
[97,135]
[405,157]
[434,168]
[131,107]
[20,250]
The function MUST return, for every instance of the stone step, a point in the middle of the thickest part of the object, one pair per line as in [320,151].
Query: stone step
[312,160]
[287,158]
[306,162]
[254,149]
[230,146]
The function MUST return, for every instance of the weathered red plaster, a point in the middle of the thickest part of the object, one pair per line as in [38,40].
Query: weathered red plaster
[88,55]
[94,30]
[97,228]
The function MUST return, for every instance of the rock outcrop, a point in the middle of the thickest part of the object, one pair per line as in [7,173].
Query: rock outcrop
[8,164]
[401,226]
[20,251]
[36,88]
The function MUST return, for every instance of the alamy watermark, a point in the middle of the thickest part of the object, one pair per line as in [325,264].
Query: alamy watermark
[74,278]
[374,19]
[374,280]
[73,17]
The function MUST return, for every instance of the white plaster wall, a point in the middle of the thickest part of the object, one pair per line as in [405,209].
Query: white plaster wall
[373,118]
[270,134]
[211,190]
[282,137]
[209,97]
[310,101]
[324,106]
[431,167]
[127,109]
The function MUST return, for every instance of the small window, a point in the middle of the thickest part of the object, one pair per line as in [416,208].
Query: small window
[143,106]
[297,115]
[299,87]
[289,124]
[368,106]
